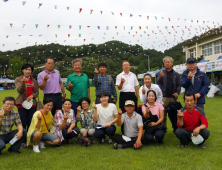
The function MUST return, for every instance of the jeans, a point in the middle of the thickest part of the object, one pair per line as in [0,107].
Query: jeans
[26,117]
[46,137]
[159,135]
[109,131]
[4,139]
[185,136]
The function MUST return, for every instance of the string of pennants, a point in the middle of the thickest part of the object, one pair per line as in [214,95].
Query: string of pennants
[122,14]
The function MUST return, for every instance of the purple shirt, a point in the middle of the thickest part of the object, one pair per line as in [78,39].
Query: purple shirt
[53,83]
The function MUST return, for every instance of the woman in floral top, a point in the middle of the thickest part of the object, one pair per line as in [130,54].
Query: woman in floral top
[65,122]
[84,115]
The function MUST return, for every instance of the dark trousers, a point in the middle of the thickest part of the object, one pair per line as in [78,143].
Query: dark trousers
[200,105]
[26,117]
[159,135]
[57,102]
[109,131]
[124,96]
[70,135]
[185,136]
[74,107]
[4,139]
[118,139]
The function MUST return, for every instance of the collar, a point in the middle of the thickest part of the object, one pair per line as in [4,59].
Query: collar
[151,106]
[53,71]
[74,74]
[26,77]
[125,73]
[192,110]
[134,114]
[151,87]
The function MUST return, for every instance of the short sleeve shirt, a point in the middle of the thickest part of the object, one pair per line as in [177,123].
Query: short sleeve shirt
[155,109]
[131,124]
[8,121]
[53,83]
[80,86]
[130,81]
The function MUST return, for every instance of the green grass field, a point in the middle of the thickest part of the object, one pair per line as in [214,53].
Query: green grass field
[103,156]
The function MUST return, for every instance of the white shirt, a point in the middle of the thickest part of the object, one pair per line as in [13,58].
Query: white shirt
[130,81]
[156,88]
[106,114]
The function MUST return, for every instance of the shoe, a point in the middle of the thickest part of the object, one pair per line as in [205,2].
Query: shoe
[202,146]
[36,148]
[24,145]
[12,151]
[117,146]
[102,140]
[41,145]
[182,146]
[110,141]
[69,141]
[160,142]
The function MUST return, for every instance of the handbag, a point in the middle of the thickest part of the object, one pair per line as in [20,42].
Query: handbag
[39,105]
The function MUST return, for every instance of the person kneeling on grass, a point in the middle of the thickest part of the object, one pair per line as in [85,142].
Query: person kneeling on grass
[39,128]
[64,123]
[85,116]
[191,121]
[132,128]
[103,114]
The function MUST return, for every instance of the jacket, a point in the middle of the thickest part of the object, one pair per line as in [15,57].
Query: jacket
[201,84]
[163,82]
[21,97]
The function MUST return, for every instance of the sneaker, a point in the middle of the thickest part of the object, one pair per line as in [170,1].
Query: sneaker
[69,141]
[117,146]
[24,145]
[12,151]
[110,141]
[181,146]
[41,145]
[102,140]
[36,148]
[202,146]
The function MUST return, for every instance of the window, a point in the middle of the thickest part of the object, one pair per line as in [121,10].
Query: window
[193,53]
[207,50]
[218,47]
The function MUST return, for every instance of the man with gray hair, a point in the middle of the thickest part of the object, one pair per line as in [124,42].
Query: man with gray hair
[169,82]
[78,84]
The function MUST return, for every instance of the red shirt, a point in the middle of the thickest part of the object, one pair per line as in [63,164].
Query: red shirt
[193,120]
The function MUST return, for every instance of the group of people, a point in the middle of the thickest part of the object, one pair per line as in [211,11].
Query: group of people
[56,122]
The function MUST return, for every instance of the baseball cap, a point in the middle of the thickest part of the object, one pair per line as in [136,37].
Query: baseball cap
[191,59]
[129,102]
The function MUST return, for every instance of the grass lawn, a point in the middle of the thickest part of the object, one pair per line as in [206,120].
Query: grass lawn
[103,156]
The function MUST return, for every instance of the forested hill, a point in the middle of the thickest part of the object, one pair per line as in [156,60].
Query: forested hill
[112,52]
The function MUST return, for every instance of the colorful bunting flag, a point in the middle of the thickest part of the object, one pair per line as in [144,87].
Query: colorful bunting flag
[23,3]
[101,12]
[80,27]
[147,17]
[155,17]
[58,26]
[56,35]
[68,35]
[68,8]
[19,35]
[139,27]
[112,13]
[88,26]
[98,27]
[107,27]
[47,26]
[11,24]
[80,9]
[55,6]
[115,27]
[40,4]
[131,27]
[36,25]
[3,45]
[146,27]
[70,26]
[91,11]
[79,35]
[131,15]
[169,19]
[84,40]
[23,26]
[5,0]
[121,14]
[123,27]
[140,15]
[7,36]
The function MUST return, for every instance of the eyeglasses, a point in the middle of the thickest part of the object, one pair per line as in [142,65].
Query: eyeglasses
[8,104]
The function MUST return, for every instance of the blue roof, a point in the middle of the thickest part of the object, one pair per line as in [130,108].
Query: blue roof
[219,58]
[202,61]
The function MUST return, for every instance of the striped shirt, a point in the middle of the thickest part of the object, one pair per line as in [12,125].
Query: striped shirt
[8,121]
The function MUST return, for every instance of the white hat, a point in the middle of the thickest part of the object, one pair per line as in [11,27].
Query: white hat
[129,102]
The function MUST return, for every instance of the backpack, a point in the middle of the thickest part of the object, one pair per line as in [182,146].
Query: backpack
[85,141]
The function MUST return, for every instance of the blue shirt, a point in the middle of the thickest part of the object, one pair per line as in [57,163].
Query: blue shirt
[106,84]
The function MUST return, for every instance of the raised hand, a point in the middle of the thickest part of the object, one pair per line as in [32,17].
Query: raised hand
[39,117]
[94,105]
[24,80]
[120,112]
[161,74]
[70,84]
[79,108]
[1,113]
[65,116]
[46,77]
[123,80]
[179,113]
[190,75]
[143,90]
[96,71]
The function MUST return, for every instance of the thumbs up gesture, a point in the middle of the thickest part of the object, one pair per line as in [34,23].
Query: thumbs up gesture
[161,74]
[143,90]
[120,112]
[190,75]
[39,117]
[96,71]
[70,84]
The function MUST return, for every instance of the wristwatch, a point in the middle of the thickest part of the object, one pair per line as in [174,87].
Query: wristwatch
[64,93]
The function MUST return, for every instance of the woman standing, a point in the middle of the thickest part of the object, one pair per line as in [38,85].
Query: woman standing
[39,128]
[64,123]
[85,116]
[148,85]
[157,109]
[28,89]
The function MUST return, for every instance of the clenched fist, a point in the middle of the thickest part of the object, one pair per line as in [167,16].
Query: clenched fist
[94,105]
[1,113]
[143,91]
[161,74]
[70,84]
[96,71]
[179,113]
[79,108]
[120,112]
[65,117]
[24,80]
[190,75]
[123,80]
[39,117]
[46,77]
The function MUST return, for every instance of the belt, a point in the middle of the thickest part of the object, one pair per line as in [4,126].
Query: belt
[127,92]
[56,94]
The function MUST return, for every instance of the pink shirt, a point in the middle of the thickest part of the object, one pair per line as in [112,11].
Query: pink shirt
[155,109]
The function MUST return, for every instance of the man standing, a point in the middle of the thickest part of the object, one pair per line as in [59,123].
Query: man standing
[50,83]
[169,82]
[104,82]
[191,120]
[78,84]
[127,84]
[8,118]
[195,81]
[132,128]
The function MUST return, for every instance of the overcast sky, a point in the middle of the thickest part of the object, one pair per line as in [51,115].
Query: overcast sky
[156,36]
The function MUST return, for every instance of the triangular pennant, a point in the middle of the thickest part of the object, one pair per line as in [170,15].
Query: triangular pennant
[121,14]
[98,27]
[58,26]
[68,35]
[79,35]
[68,8]
[23,3]
[56,35]
[112,13]
[40,4]
[70,26]
[116,27]
[55,6]
[48,26]
[23,26]
[147,17]
[80,9]
[101,12]
[131,15]
[80,27]
[131,27]
[91,11]
[11,24]
[36,25]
